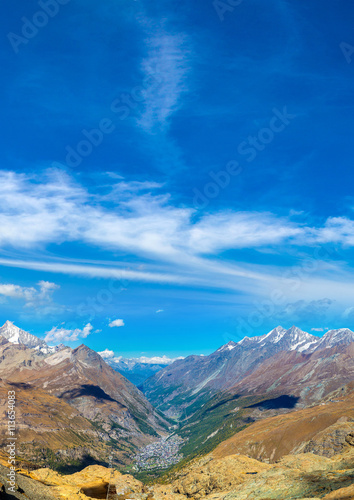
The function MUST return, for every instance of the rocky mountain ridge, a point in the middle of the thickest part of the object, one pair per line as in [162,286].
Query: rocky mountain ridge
[213,396]
[134,370]
[17,336]
[181,388]
[113,408]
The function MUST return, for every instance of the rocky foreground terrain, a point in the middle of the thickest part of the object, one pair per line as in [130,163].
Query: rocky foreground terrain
[303,454]
[284,430]
[301,476]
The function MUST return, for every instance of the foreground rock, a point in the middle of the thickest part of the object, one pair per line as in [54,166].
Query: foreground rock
[208,475]
[242,478]
[237,477]
[92,480]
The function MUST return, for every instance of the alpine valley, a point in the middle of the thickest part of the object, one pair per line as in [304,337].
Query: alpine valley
[71,406]
[255,418]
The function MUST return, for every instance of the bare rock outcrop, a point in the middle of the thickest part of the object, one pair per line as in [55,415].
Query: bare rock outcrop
[208,475]
[94,479]
[237,477]
[302,476]
[350,438]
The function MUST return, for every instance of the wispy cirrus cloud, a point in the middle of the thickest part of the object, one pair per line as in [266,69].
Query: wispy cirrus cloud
[167,66]
[167,243]
[147,224]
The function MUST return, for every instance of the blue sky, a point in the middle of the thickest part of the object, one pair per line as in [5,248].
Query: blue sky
[187,170]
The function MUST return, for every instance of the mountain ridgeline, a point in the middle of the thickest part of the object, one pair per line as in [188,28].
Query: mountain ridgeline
[214,397]
[182,387]
[135,370]
[75,408]
[72,406]
[17,336]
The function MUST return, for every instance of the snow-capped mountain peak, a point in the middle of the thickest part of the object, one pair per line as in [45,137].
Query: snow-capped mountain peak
[15,335]
[278,339]
[295,339]
[11,332]
[276,332]
[276,335]
[291,339]
[227,347]
[300,340]
[335,337]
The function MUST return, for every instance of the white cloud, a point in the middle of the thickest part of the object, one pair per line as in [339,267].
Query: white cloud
[43,297]
[38,298]
[17,292]
[116,323]
[34,213]
[144,224]
[158,360]
[303,310]
[218,232]
[349,313]
[317,329]
[118,273]
[106,354]
[176,244]
[336,230]
[47,288]
[63,335]
[166,67]
[159,311]
[59,210]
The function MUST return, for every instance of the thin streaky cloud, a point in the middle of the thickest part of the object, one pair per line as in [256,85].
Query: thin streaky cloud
[167,66]
[95,271]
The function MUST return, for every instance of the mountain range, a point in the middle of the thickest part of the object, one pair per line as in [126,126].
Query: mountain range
[181,388]
[71,403]
[74,404]
[215,397]
[135,370]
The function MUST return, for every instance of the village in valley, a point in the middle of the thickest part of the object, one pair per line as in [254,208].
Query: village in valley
[159,455]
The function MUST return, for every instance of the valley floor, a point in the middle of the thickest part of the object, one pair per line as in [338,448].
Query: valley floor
[159,455]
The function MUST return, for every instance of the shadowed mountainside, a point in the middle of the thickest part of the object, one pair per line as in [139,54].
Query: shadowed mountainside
[78,379]
[180,389]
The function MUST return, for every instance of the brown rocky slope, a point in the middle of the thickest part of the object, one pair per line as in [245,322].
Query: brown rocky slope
[308,376]
[236,477]
[321,429]
[72,404]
